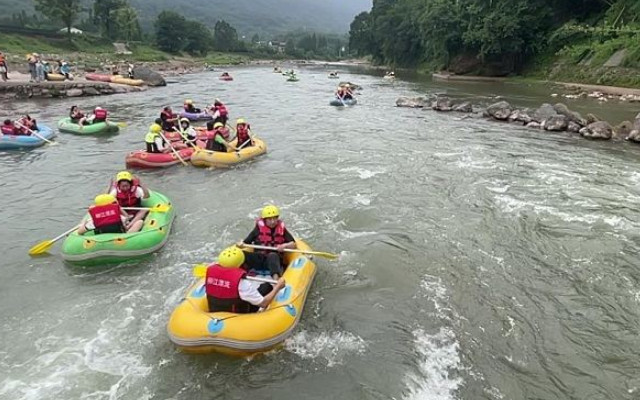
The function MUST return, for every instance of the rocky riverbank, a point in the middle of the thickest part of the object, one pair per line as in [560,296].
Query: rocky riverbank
[29,90]
[547,117]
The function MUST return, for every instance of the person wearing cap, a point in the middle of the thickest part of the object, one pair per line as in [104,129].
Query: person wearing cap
[268,231]
[218,142]
[219,112]
[190,107]
[228,291]
[129,193]
[168,118]
[106,216]
[242,134]
[154,141]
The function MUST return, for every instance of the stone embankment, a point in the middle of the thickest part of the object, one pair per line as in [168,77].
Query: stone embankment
[63,89]
[555,118]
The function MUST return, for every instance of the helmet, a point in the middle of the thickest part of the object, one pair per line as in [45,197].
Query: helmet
[104,199]
[184,120]
[188,101]
[98,108]
[155,128]
[124,176]
[231,257]
[270,211]
[241,121]
[218,125]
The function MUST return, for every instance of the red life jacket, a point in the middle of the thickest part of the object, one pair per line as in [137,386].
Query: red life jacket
[100,114]
[242,133]
[222,110]
[128,199]
[106,219]
[223,292]
[165,116]
[8,129]
[266,238]
[224,132]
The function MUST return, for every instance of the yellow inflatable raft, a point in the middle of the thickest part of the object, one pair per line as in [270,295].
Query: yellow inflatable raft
[217,159]
[195,330]
[55,77]
[126,81]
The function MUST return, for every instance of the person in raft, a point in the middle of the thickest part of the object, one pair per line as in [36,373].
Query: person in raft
[242,134]
[129,193]
[228,291]
[219,140]
[154,141]
[106,216]
[269,231]
[99,115]
[190,107]
[77,116]
[189,134]
[225,74]
[219,112]
[25,125]
[168,118]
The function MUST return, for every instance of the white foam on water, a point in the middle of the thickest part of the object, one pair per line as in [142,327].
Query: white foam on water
[352,235]
[361,200]
[364,173]
[438,365]
[331,347]
[434,290]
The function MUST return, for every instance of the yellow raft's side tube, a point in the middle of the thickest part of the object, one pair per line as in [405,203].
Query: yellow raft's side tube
[195,330]
[217,159]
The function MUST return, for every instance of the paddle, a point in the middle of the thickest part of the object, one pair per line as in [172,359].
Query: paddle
[121,124]
[200,271]
[161,208]
[34,133]
[172,149]
[44,246]
[341,100]
[329,256]
[185,138]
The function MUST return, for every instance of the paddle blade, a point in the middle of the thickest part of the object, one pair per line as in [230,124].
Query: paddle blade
[200,270]
[122,124]
[41,247]
[329,256]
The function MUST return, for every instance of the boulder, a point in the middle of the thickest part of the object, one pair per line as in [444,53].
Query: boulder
[523,116]
[465,107]
[533,124]
[634,135]
[442,103]
[573,127]
[544,112]
[91,91]
[74,93]
[500,110]
[623,129]
[556,123]
[571,115]
[413,102]
[597,130]
[151,78]
[591,118]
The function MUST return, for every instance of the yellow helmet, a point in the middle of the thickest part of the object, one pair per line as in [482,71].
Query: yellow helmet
[104,199]
[188,101]
[270,211]
[218,125]
[241,121]
[155,128]
[124,176]
[231,257]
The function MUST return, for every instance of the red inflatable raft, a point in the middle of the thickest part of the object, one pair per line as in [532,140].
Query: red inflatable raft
[142,159]
[98,77]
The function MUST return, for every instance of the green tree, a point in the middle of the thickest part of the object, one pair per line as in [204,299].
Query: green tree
[128,25]
[104,15]
[65,11]
[225,37]
[198,39]
[361,35]
[255,38]
[170,31]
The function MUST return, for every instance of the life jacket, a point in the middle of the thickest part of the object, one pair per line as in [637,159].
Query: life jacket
[150,137]
[222,286]
[78,116]
[242,134]
[101,114]
[165,116]
[128,199]
[266,238]
[8,129]
[106,219]
[221,109]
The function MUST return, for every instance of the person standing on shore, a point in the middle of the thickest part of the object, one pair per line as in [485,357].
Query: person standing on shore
[40,76]
[31,60]
[4,69]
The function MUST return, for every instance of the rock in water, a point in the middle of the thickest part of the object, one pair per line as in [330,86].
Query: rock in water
[571,115]
[556,123]
[151,78]
[465,107]
[591,118]
[500,110]
[523,116]
[573,127]
[442,103]
[413,102]
[634,135]
[623,129]
[544,112]
[597,130]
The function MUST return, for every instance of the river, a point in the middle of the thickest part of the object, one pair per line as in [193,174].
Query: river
[478,260]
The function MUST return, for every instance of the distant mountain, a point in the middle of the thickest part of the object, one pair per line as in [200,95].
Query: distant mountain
[248,16]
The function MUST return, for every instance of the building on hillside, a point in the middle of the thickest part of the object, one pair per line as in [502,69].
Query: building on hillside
[73,30]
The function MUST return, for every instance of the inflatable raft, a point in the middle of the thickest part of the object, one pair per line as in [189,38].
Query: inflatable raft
[99,128]
[143,159]
[217,159]
[341,103]
[12,142]
[195,330]
[121,80]
[201,116]
[293,78]
[108,248]
[55,77]
[98,77]
[226,78]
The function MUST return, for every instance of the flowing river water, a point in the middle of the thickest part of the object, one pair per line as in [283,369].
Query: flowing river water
[478,260]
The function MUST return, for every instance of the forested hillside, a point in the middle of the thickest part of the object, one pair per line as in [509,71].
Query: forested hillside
[248,16]
[497,37]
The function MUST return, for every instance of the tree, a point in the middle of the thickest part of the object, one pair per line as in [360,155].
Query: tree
[225,37]
[60,10]
[128,25]
[255,38]
[198,39]
[360,34]
[104,15]
[170,31]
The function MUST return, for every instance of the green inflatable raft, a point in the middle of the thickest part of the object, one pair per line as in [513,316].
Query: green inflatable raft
[99,128]
[109,248]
